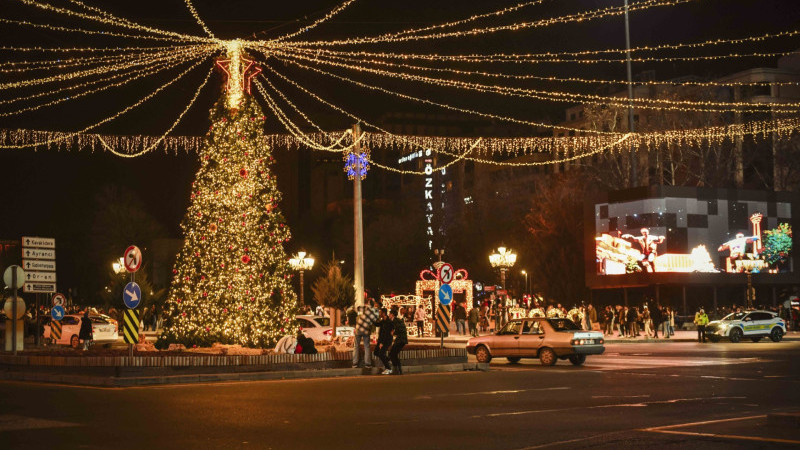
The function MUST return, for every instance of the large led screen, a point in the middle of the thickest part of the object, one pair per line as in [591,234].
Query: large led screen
[721,231]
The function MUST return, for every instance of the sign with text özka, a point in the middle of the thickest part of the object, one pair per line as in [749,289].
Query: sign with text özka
[132,258]
[446,273]
[39,262]
[445,294]
[132,295]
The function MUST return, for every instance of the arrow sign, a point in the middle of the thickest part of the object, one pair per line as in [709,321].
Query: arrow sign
[38,242]
[39,288]
[47,277]
[446,273]
[132,258]
[132,295]
[39,253]
[35,264]
[445,294]
[59,300]
[57,313]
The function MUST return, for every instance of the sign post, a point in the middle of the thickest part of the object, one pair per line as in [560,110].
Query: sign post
[131,296]
[445,295]
[13,276]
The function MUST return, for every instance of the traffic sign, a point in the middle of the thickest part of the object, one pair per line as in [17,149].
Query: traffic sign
[39,288]
[8,276]
[38,242]
[443,319]
[132,295]
[446,273]
[130,326]
[38,277]
[59,300]
[38,253]
[132,258]
[445,294]
[35,264]
[57,313]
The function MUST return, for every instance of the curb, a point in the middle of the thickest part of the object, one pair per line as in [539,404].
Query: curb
[86,380]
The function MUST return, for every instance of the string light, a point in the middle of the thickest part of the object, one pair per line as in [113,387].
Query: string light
[169,130]
[572,18]
[90,32]
[27,66]
[332,13]
[110,118]
[293,106]
[198,19]
[83,49]
[641,103]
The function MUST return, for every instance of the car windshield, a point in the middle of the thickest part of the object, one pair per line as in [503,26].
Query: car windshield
[563,325]
[735,316]
[323,321]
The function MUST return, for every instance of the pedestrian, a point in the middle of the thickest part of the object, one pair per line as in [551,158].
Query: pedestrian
[460,315]
[385,328]
[366,317]
[419,316]
[400,341]
[632,318]
[474,317]
[609,321]
[665,321]
[591,317]
[701,319]
[622,319]
[655,319]
[85,333]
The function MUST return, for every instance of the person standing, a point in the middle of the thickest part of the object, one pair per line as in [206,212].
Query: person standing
[85,333]
[460,315]
[400,340]
[419,317]
[701,319]
[655,319]
[385,328]
[622,319]
[367,316]
[474,317]
[591,316]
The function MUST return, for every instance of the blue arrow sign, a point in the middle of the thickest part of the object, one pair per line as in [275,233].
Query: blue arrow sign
[445,294]
[132,295]
[57,313]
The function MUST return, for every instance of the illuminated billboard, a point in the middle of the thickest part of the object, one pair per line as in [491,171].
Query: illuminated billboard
[647,232]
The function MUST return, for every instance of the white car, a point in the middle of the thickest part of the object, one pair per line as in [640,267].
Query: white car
[747,324]
[317,328]
[103,331]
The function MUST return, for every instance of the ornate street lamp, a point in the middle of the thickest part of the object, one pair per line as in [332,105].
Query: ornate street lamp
[504,259]
[119,266]
[301,262]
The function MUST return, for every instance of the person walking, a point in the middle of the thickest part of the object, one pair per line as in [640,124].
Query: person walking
[591,317]
[385,329]
[701,319]
[473,318]
[460,315]
[400,340]
[622,320]
[367,316]
[85,333]
[419,316]
[655,319]
[632,318]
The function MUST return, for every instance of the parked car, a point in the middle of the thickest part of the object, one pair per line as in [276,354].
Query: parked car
[755,325]
[103,331]
[317,328]
[538,337]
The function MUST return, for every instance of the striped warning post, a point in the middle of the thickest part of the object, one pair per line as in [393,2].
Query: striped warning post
[55,330]
[130,326]
[443,319]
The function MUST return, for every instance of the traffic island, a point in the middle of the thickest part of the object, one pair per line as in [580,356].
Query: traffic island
[150,368]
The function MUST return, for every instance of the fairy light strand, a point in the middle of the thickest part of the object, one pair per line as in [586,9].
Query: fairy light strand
[199,20]
[316,23]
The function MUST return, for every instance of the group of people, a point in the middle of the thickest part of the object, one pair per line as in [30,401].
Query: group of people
[392,337]
[631,322]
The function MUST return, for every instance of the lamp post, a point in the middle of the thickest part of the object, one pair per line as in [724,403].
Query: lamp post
[301,262]
[526,280]
[118,266]
[504,259]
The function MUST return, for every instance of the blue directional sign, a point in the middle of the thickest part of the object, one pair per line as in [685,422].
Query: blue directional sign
[132,295]
[57,313]
[445,294]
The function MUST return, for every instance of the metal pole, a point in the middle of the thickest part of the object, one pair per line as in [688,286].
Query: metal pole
[302,287]
[631,126]
[358,231]
[14,310]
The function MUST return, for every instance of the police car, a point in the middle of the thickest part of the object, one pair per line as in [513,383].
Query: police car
[747,324]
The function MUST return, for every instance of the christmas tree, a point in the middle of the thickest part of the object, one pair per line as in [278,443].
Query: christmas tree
[231,279]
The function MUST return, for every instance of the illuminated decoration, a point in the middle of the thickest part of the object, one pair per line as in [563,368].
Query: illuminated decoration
[576,315]
[415,301]
[232,285]
[516,312]
[428,197]
[536,312]
[555,313]
[333,12]
[300,263]
[239,70]
[503,260]
[430,282]
[777,245]
[198,19]
[356,165]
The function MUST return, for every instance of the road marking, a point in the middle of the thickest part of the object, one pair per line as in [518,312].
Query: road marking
[669,429]
[515,391]
[9,422]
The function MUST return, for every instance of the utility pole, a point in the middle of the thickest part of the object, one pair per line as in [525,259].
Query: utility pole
[631,126]
[358,228]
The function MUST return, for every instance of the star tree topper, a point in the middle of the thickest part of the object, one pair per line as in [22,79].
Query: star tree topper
[239,70]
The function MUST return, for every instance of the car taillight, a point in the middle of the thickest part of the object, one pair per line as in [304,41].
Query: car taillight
[328,332]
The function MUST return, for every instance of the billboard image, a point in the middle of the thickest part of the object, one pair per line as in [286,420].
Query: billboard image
[711,231]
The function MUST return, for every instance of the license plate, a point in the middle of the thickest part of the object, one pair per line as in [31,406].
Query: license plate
[590,341]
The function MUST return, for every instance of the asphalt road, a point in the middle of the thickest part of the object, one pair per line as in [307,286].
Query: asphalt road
[675,395]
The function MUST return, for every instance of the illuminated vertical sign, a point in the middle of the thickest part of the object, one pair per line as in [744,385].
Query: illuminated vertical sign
[428,197]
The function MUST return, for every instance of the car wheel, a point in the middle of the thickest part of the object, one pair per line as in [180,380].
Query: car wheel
[483,355]
[514,359]
[755,339]
[548,357]
[74,342]
[577,360]
[776,335]
[736,335]
[713,338]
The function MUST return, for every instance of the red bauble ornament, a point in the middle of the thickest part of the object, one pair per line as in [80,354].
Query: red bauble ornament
[246,259]
[212,228]
[178,300]
[243,173]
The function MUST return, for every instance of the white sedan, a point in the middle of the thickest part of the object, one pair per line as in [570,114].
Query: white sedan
[317,328]
[103,331]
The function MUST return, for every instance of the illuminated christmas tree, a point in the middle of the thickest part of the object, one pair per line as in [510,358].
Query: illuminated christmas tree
[231,281]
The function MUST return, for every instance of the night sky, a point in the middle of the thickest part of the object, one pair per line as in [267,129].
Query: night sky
[50,193]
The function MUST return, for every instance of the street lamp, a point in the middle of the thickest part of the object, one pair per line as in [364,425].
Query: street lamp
[504,259]
[526,280]
[118,266]
[301,262]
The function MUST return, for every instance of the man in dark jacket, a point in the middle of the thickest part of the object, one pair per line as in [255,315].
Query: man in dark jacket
[400,341]
[655,317]
[385,328]
[460,316]
[85,333]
